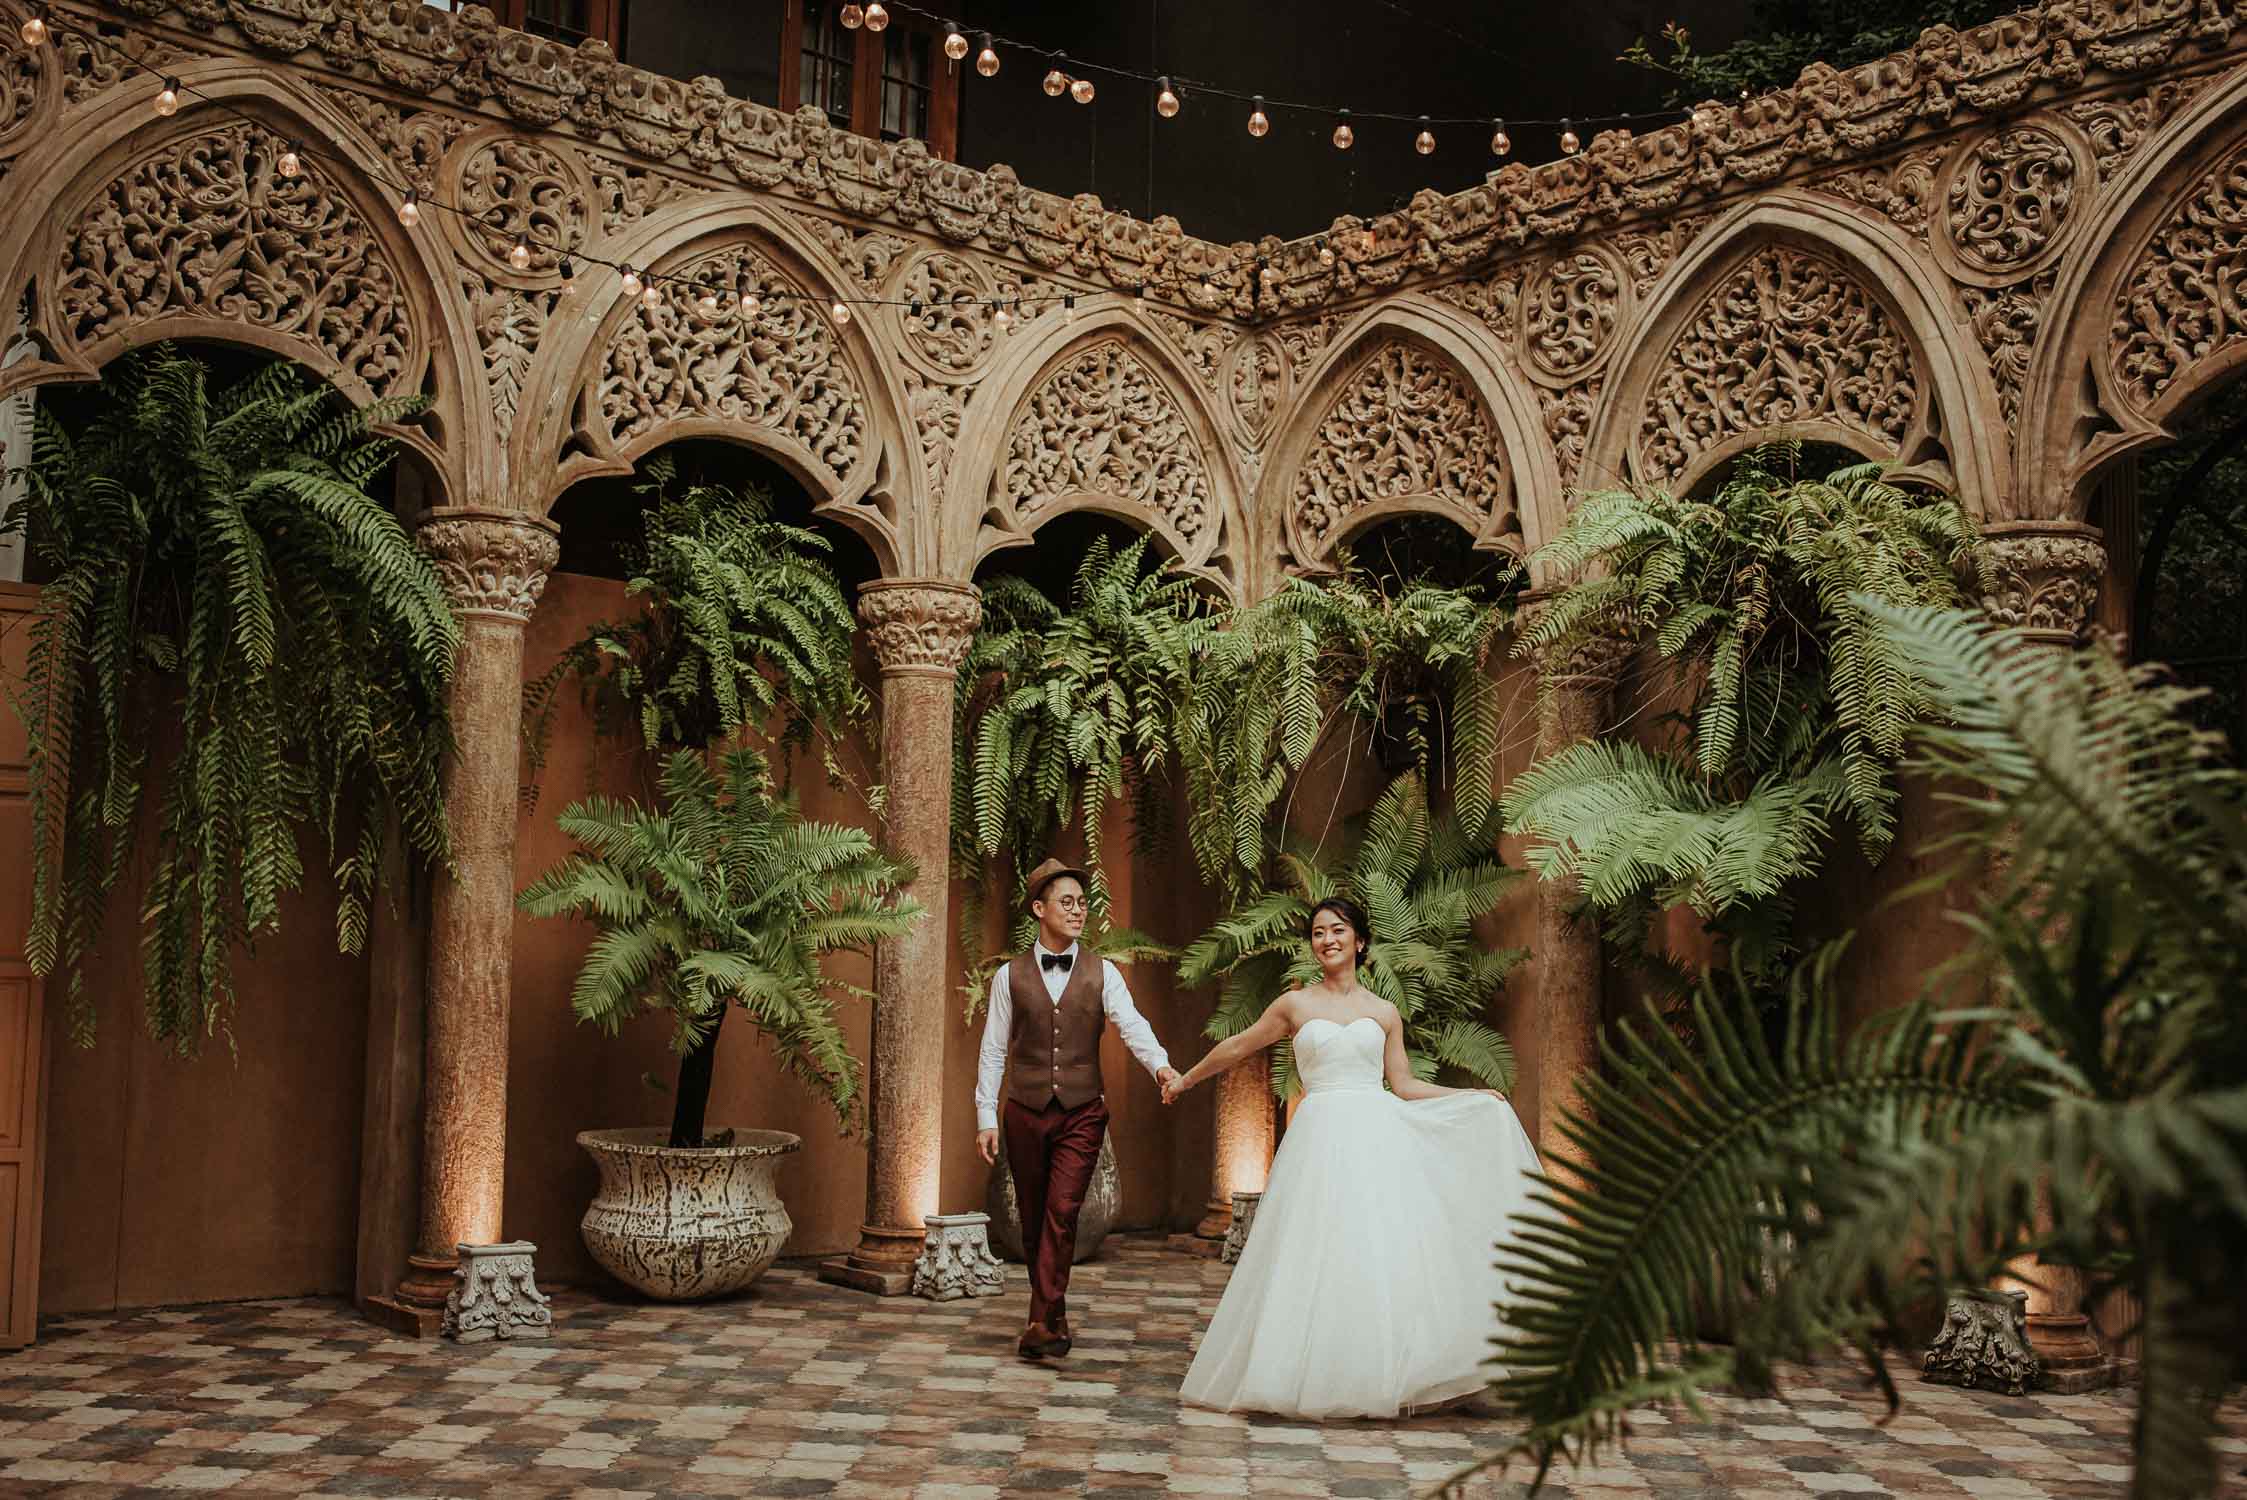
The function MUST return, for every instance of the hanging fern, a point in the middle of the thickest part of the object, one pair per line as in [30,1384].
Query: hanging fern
[2100,1068]
[726,896]
[1424,881]
[218,562]
[1799,709]
[744,627]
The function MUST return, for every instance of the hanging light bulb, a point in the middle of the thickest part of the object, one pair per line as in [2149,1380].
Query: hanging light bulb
[1372,240]
[1000,316]
[1081,90]
[631,282]
[707,303]
[651,294]
[987,61]
[1568,141]
[290,163]
[1259,123]
[841,315]
[1166,99]
[1344,136]
[519,255]
[1425,141]
[34,28]
[877,16]
[852,17]
[167,99]
[1500,142]
[1326,256]
[409,210]
[1068,309]
[751,303]
[955,42]
[1056,82]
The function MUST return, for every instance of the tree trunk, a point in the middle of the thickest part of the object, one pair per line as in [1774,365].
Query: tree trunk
[694,1089]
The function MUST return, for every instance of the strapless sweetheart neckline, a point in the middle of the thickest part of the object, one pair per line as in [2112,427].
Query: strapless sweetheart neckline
[1337,1025]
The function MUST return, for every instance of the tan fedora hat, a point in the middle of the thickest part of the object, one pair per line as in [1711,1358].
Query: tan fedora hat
[1052,870]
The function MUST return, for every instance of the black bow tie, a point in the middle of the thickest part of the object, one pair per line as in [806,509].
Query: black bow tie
[1054,960]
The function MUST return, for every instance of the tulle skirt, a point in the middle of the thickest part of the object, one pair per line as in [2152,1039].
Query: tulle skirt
[1368,1284]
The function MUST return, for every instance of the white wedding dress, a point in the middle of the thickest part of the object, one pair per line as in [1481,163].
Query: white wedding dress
[1367,1285]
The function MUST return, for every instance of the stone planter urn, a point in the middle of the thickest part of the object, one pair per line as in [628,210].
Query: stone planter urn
[1102,1202]
[681,1223]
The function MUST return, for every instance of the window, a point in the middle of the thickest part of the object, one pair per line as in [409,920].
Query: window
[566,21]
[891,84]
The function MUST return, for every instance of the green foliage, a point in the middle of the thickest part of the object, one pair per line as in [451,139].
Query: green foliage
[1408,662]
[744,627]
[1424,880]
[1798,707]
[219,563]
[2191,602]
[2101,1068]
[727,894]
[1785,36]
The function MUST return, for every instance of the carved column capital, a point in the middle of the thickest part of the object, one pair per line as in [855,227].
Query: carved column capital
[920,626]
[2046,578]
[492,563]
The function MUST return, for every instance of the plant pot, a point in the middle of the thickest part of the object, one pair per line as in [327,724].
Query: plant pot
[682,1223]
[1102,1202]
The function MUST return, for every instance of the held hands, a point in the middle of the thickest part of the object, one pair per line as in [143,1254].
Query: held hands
[987,1146]
[1173,1084]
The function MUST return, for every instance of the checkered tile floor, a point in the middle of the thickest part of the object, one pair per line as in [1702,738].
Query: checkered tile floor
[804,1389]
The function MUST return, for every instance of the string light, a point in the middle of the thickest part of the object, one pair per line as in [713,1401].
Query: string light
[35,28]
[1166,101]
[1344,136]
[987,61]
[1568,141]
[289,164]
[1326,255]
[1259,123]
[520,256]
[955,42]
[999,315]
[1055,82]
[840,314]
[651,295]
[1425,141]
[852,17]
[913,308]
[568,268]
[409,209]
[1372,239]
[167,99]
[751,303]
[877,16]
[631,282]
[1081,90]
[708,302]
[1500,142]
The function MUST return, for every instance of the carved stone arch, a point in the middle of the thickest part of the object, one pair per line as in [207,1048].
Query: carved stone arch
[619,378]
[182,228]
[1413,409]
[1795,316]
[2144,319]
[1096,413]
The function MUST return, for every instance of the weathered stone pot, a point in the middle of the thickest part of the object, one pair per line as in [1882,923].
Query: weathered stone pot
[1102,1202]
[682,1223]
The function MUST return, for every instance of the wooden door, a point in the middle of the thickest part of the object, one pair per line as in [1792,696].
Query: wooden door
[23,1039]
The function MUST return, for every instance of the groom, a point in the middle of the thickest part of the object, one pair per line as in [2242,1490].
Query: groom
[1047,1010]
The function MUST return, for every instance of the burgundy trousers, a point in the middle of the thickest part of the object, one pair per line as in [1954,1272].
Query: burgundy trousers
[1052,1152]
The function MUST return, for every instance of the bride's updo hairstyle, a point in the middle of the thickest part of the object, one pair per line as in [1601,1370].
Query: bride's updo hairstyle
[1350,912]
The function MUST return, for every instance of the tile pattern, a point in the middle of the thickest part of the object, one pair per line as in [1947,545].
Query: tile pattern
[803,1389]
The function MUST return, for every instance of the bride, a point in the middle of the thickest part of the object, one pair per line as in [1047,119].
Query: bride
[1367,1286]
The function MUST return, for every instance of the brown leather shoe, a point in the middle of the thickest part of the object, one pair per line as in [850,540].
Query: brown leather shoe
[1036,1343]
[1058,1341]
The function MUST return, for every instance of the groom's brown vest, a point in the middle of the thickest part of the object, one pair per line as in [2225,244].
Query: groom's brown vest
[1054,1052]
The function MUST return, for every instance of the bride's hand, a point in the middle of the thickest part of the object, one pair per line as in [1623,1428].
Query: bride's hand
[1173,1086]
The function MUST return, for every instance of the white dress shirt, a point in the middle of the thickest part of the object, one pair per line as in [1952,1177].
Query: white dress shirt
[998,1027]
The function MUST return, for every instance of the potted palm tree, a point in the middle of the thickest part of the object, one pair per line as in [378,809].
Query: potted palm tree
[724,896]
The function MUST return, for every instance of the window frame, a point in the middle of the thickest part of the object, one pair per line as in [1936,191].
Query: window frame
[868,71]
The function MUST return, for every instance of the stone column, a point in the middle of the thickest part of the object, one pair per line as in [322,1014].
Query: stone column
[494,566]
[920,629]
[1575,693]
[1241,1155]
[2046,585]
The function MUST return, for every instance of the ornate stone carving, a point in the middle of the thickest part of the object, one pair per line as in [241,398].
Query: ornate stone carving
[509,324]
[1259,386]
[1568,424]
[90,69]
[24,82]
[2006,320]
[2116,127]
[1648,253]
[954,330]
[1786,337]
[497,1296]
[935,410]
[415,142]
[1406,425]
[2183,303]
[205,227]
[2047,577]
[1591,666]
[1570,313]
[1903,189]
[1101,423]
[510,188]
[1495,300]
[1203,344]
[865,255]
[625,195]
[957,1260]
[919,625]
[491,564]
[781,369]
[1244,1219]
[2008,197]
[1983,1342]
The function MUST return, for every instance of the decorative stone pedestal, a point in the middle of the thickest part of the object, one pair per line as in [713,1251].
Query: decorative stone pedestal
[956,1260]
[498,1295]
[2068,1355]
[1984,1342]
[1244,1218]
